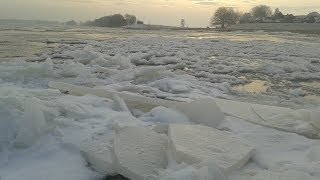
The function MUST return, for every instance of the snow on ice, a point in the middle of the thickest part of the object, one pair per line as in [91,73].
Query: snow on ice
[121,106]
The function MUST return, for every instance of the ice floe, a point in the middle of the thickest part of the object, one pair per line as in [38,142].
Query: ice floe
[285,119]
[139,152]
[195,144]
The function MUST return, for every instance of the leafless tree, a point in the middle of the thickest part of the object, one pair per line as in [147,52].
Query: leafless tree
[278,14]
[246,18]
[261,11]
[224,16]
[130,19]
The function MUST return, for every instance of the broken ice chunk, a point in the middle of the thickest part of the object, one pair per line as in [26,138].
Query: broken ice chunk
[140,152]
[196,144]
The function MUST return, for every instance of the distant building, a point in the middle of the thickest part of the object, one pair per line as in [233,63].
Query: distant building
[268,20]
[265,20]
[313,17]
[299,19]
[140,22]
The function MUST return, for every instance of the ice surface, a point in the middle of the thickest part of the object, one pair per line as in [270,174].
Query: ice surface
[190,173]
[47,159]
[33,124]
[196,144]
[312,169]
[151,71]
[274,149]
[314,153]
[8,126]
[71,124]
[139,152]
[165,115]
[172,86]
[84,56]
[99,154]
[298,92]
[122,120]
[315,118]
[271,175]
[149,74]
[23,116]
[121,104]
[45,68]
[73,69]
[202,111]
[281,118]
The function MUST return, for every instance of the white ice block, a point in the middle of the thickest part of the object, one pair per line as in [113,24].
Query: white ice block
[140,152]
[196,144]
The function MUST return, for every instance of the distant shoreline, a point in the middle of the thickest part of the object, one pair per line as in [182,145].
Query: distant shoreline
[28,21]
[305,28]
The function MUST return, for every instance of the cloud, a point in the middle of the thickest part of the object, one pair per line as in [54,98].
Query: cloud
[205,2]
[77,1]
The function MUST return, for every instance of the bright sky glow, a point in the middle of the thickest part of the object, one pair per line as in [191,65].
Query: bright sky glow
[197,13]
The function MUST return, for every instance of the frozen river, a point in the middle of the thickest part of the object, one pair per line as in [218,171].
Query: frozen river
[42,128]
[285,65]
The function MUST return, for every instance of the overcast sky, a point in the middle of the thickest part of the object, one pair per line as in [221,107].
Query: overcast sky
[167,12]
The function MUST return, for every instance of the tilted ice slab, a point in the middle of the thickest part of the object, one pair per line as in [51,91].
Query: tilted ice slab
[194,144]
[302,122]
[140,153]
[202,111]
[33,124]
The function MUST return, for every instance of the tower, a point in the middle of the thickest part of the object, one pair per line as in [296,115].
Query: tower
[183,23]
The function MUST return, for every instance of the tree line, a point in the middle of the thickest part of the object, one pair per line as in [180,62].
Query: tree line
[226,16]
[115,20]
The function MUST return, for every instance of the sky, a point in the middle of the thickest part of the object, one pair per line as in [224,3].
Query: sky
[196,13]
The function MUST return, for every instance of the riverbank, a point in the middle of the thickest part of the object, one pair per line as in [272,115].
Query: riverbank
[291,27]
[271,27]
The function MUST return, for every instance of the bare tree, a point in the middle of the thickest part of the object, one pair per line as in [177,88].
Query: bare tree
[130,19]
[277,11]
[246,18]
[278,14]
[261,11]
[224,16]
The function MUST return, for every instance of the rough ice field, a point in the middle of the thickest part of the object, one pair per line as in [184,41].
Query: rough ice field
[42,130]
[284,64]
